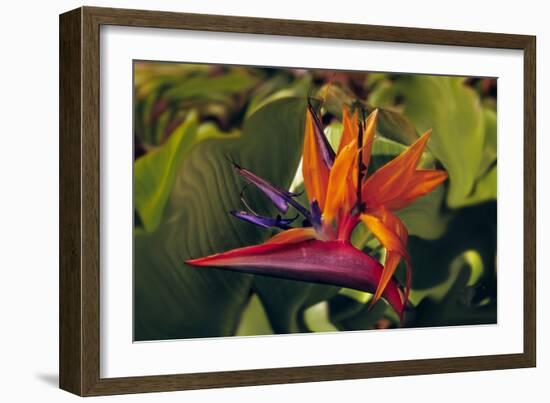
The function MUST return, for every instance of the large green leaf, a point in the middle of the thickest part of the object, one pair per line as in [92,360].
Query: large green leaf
[454,112]
[485,187]
[173,300]
[285,301]
[155,172]
[471,229]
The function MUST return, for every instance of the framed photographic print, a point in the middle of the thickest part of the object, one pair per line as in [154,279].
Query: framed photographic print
[250,201]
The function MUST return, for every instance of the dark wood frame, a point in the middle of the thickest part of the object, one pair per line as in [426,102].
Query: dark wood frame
[79,200]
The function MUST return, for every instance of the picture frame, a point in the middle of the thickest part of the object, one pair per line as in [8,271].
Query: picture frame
[80,199]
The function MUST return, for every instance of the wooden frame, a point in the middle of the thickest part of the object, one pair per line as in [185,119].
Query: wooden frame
[79,200]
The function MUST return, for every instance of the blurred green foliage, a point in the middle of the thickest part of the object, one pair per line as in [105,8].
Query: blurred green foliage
[191,120]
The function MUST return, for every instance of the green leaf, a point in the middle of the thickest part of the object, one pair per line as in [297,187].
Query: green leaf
[374,78]
[165,94]
[148,76]
[173,300]
[145,122]
[155,172]
[490,147]
[471,229]
[395,126]
[391,124]
[454,112]
[285,301]
[347,313]
[273,90]
[333,132]
[470,258]
[485,189]
[210,130]
[458,307]
[384,150]
[317,318]
[254,320]
[153,112]
[208,87]
[425,217]
[382,93]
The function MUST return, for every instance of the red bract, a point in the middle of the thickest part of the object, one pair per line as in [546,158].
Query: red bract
[328,262]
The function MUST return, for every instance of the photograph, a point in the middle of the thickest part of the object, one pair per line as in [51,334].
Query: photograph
[281,200]
[275,202]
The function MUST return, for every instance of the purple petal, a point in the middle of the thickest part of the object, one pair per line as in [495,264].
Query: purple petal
[322,142]
[264,222]
[279,197]
[316,216]
[328,262]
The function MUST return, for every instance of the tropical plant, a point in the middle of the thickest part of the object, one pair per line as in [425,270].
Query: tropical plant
[191,121]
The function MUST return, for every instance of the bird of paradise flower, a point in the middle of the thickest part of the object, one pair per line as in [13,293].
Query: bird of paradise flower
[341,195]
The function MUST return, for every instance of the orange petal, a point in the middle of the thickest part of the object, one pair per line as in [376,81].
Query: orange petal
[390,265]
[351,193]
[368,136]
[393,236]
[388,182]
[385,232]
[422,182]
[315,171]
[293,235]
[369,130]
[350,128]
[339,183]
